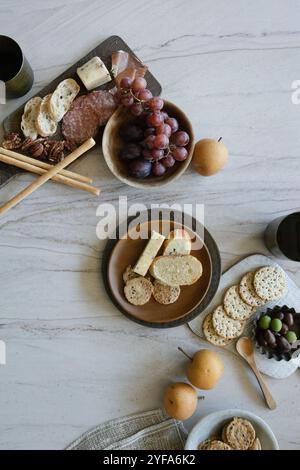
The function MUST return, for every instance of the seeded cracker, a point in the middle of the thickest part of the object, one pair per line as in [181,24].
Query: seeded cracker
[247,291]
[269,283]
[234,305]
[240,434]
[138,291]
[210,333]
[226,326]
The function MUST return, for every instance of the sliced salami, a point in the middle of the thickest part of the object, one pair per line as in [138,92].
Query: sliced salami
[86,114]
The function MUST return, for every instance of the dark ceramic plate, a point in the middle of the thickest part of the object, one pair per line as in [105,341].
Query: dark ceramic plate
[193,299]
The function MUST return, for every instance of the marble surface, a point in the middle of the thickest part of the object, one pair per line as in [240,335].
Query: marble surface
[73,360]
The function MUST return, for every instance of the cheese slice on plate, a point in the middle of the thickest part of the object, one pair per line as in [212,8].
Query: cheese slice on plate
[152,248]
[93,73]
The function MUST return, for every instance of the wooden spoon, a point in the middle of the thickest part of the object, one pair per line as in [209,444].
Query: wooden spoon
[244,347]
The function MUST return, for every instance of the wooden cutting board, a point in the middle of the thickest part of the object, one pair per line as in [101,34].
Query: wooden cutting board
[104,50]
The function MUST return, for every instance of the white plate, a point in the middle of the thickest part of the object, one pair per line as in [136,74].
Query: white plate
[277,369]
[213,423]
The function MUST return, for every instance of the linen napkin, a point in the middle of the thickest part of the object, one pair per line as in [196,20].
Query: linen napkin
[150,430]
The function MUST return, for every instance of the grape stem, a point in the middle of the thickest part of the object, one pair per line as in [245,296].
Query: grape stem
[219,139]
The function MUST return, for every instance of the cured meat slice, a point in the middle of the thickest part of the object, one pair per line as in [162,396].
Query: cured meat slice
[126,65]
[86,114]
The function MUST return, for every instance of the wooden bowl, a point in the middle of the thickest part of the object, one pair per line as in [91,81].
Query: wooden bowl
[112,144]
[193,299]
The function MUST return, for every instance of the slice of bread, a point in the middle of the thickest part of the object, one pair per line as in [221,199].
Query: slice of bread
[62,98]
[28,122]
[176,270]
[178,243]
[44,123]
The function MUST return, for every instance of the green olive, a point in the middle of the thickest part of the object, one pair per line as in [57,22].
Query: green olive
[291,337]
[276,325]
[264,322]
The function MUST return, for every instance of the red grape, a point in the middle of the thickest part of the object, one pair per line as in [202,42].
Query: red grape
[147,154]
[168,161]
[155,119]
[164,129]
[161,141]
[158,169]
[180,138]
[136,109]
[140,168]
[149,141]
[173,123]
[126,83]
[127,101]
[149,131]
[164,115]
[145,95]
[156,103]
[139,84]
[130,151]
[180,154]
[157,154]
[131,133]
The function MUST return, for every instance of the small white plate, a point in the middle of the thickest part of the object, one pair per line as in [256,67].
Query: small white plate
[213,423]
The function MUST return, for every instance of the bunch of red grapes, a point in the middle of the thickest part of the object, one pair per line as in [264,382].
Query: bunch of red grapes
[154,142]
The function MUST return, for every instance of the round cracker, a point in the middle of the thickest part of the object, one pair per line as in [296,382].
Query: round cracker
[138,291]
[226,326]
[269,283]
[210,333]
[164,294]
[234,305]
[218,445]
[247,291]
[240,434]
[129,274]
[204,444]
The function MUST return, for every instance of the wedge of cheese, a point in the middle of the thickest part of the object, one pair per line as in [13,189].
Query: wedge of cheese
[93,73]
[152,248]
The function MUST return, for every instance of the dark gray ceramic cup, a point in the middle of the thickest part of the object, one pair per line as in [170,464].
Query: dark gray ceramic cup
[282,237]
[16,75]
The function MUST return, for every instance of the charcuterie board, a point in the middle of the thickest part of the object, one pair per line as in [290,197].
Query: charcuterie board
[104,50]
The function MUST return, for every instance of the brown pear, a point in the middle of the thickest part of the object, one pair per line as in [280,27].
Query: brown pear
[205,369]
[180,400]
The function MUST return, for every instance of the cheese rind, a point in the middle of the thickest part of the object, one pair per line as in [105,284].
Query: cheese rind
[93,73]
[152,248]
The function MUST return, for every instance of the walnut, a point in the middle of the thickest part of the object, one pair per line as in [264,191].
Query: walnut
[35,148]
[12,141]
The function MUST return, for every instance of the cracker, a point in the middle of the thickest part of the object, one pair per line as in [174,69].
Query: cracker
[234,305]
[226,326]
[164,294]
[217,445]
[204,444]
[129,274]
[240,434]
[256,445]
[269,283]
[138,291]
[247,291]
[210,333]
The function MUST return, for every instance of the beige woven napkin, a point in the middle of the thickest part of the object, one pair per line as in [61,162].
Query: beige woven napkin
[150,430]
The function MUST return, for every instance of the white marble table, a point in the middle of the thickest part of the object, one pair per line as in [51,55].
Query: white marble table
[73,360]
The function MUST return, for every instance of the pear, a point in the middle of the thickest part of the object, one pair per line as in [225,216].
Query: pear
[209,156]
[180,400]
[204,369]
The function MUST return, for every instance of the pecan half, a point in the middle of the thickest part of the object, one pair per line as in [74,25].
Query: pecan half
[12,141]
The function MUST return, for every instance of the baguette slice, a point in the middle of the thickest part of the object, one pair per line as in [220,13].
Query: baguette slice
[44,123]
[176,270]
[62,98]
[28,122]
[178,243]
